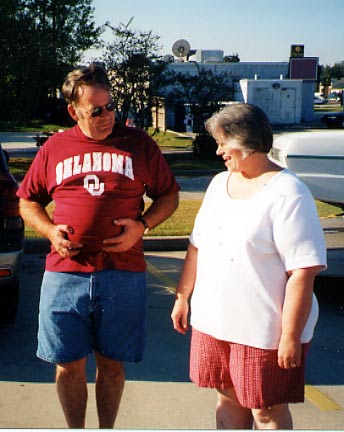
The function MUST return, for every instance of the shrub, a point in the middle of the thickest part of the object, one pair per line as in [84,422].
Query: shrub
[204,147]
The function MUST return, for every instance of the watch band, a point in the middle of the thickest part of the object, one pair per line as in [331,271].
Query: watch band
[145,224]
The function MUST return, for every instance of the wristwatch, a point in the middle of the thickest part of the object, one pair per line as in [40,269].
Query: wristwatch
[145,224]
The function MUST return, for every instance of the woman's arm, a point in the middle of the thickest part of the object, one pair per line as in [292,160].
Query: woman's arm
[184,290]
[296,310]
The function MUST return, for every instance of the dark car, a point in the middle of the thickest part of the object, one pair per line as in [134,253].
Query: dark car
[333,120]
[11,241]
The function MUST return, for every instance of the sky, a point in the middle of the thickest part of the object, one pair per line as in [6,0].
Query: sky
[257,30]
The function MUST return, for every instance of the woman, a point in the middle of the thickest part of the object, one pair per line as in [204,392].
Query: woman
[256,247]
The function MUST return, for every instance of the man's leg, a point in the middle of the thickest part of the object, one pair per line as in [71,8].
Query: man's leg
[109,388]
[72,391]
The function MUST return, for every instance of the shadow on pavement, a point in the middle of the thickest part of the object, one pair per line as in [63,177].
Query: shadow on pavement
[166,355]
[326,356]
[167,352]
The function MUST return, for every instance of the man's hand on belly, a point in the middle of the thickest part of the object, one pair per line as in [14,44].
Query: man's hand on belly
[132,232]
[59,239]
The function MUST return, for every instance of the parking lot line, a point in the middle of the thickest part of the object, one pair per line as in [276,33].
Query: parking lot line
[168,283]
[313,394]
[320,399]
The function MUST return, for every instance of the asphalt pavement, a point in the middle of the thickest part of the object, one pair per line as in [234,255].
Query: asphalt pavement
[158,393]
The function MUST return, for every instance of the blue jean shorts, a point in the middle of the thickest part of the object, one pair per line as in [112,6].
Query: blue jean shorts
[103,311]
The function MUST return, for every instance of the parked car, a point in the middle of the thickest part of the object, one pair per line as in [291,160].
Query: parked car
[317,158]
[334,98]
[11,241]
[333,119]
[41,139]
[319,100]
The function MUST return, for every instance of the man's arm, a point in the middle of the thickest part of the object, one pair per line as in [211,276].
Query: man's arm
[36,216]
[161,209]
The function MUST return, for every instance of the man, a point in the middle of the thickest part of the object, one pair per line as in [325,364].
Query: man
[93,290]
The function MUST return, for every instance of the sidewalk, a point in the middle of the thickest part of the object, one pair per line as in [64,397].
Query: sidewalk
[145,405]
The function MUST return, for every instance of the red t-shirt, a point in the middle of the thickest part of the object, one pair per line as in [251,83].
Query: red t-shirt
[93,182]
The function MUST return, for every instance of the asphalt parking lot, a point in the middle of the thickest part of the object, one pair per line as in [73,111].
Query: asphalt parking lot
[158,394]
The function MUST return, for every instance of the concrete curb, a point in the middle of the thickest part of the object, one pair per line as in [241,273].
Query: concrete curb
[42,245]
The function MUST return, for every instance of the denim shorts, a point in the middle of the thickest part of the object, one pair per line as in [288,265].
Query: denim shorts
[103,311]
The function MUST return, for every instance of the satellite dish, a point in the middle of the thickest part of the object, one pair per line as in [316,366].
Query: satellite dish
[181,48]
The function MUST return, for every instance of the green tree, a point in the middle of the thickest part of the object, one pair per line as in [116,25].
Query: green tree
[40,40]
[337,70]
[17,41]
[136,71]
[202,94]
[234,58]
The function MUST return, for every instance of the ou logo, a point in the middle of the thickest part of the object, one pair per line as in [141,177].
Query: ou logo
[93,185]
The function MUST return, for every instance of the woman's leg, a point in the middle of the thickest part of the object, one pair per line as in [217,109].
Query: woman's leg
[229,413]
[276,417]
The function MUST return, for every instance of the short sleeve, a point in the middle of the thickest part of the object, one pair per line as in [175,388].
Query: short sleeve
[297,231]
[34,185]
[161,179]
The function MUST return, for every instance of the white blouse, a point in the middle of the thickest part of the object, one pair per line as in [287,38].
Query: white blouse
[245,247]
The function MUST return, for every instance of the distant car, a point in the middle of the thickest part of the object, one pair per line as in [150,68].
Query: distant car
[317,158]
[11,241]
[319,100]
[334,98]
[334,119]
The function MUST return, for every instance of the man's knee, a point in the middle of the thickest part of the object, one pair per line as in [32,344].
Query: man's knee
[71,369]
[109,367]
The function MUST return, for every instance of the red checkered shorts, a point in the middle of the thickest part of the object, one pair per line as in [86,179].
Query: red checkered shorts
[254,373]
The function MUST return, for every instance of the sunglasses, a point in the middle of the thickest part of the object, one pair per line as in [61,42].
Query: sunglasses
[96,112]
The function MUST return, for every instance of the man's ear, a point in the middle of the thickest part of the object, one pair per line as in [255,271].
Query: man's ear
[72,112]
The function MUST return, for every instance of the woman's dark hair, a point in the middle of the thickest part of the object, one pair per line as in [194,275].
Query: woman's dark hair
[246,122]
[87,76]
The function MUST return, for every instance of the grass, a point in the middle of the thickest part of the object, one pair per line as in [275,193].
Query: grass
[328,210]
[171,140]
[19,166]
[193,164]
[33,126]
[165,139]
[181,222]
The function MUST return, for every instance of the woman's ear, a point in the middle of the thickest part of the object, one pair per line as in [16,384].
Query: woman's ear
[72,112]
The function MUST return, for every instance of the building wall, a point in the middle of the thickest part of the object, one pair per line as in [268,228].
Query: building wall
[281,100]
[308,89]
[238,71]
[303,92]
[241,70]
